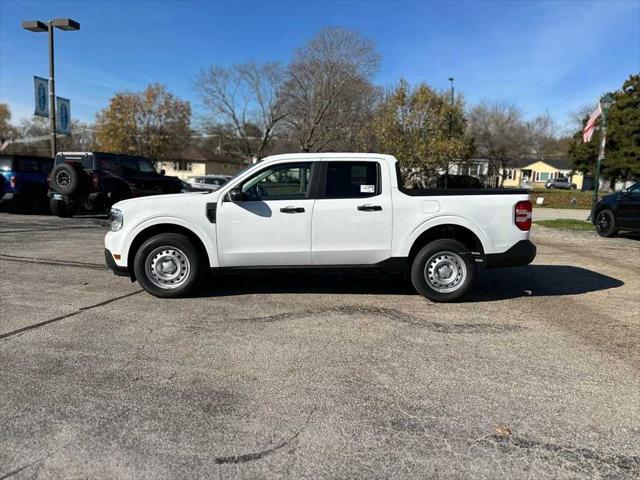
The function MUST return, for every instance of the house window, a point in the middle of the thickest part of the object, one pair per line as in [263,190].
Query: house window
[183,165]
[543,176]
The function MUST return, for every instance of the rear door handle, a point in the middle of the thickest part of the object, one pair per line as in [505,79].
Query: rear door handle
[369,208]
[292,210]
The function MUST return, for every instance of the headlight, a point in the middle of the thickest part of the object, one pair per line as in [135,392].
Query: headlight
[117,219]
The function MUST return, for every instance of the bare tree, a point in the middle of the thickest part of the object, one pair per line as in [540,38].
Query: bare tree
[247,98]
[500,134]
[328,82]
[546,139]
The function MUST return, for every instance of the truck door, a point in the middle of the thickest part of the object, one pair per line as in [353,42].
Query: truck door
[271,225]
[352,215]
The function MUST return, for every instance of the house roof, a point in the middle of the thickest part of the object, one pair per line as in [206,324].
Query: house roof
[557,163]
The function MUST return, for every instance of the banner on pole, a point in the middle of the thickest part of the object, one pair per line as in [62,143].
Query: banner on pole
[41,89]
[63,116]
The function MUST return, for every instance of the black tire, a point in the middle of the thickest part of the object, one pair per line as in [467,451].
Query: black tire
[179,255]
[572,187]
[455,258]
[60,209]
[606,223]
[67,179]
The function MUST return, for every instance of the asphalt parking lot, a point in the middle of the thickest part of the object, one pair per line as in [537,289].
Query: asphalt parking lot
[536,374]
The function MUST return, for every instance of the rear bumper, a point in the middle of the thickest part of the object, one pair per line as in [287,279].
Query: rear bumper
[522,253]
[111,263]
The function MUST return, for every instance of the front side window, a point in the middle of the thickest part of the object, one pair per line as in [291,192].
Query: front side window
[280,182]
[352,180]
[135,165]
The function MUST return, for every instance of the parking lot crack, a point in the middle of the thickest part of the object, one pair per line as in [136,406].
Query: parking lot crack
[249,457]
[395,315]
[626,463]
[38,461]
[53,262]
[80,310]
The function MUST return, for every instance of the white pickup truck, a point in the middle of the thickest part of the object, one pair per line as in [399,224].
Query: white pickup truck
[338,210]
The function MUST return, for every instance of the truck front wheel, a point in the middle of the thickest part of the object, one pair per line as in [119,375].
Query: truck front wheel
[167,265]
[443,270]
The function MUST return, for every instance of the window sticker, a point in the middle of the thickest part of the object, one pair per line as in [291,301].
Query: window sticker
[367,188]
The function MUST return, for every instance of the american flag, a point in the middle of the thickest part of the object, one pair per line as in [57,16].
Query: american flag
[587,133]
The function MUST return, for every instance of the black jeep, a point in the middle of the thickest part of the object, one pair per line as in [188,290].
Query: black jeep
[93,181]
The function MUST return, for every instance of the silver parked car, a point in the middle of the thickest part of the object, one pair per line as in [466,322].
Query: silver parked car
[208,182]
[561,183]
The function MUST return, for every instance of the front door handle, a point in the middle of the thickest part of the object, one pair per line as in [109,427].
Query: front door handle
[292,210]
[369,208]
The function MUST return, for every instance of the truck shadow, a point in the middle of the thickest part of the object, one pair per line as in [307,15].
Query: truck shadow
[537,281]
[490,285]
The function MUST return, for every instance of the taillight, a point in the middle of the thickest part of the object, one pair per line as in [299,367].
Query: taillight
[523,215]
[13,181]
[94,179]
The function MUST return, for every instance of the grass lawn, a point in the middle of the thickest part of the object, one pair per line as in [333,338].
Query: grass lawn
[560,224]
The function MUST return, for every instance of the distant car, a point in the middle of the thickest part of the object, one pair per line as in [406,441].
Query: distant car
[618,211]
[208,182]
[23,181]
[93,181]
[560,183]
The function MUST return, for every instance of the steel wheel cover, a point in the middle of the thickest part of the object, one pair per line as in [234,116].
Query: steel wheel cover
[167,267]
[445,272]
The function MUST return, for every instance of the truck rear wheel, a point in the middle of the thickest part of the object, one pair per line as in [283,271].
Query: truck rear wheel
[168,265]
[443,270]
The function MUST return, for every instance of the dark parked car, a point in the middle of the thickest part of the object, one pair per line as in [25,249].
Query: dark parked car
[23,181]
[560,182]
[458,181]
[618,211]
[93,181]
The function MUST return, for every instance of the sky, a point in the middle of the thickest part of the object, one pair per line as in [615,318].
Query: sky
[544,56]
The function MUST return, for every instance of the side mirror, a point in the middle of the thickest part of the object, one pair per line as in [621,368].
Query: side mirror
[162,172]
[237,195]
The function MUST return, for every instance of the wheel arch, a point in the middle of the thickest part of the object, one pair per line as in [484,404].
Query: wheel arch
[447,230]
[148,231]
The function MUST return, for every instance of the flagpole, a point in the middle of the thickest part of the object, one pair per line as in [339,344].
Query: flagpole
[605,103]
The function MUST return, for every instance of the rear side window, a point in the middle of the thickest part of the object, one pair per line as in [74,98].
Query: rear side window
[352,180]
[85,160]
[28,165]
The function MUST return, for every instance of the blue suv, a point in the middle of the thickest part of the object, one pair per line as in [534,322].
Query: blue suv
[23,181]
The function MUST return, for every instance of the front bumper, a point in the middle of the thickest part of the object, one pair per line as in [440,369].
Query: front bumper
[522,253]
[111,263]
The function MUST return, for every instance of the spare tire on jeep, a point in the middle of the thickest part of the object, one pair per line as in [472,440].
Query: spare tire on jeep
[67,178]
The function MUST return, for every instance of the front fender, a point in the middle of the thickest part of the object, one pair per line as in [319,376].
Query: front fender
[208,240]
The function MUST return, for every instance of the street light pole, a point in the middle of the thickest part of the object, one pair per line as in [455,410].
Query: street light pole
[446,174]
[52,93]
[37,26]
[605,103]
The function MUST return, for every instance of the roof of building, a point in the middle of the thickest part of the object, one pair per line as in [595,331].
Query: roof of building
[557,163]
